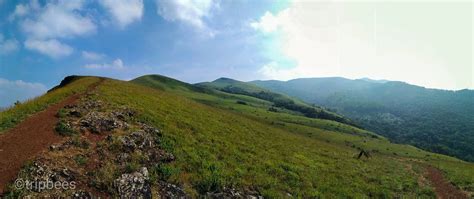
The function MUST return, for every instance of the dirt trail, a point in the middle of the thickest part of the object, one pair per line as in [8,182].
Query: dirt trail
[29,138]
[443,188]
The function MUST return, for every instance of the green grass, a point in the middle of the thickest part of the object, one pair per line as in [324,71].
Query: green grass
[62,128]
[80,160]
[220,143]
[16,114]
[224,144]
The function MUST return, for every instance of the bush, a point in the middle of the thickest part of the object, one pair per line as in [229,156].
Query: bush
[241,102]
[77,142]
[164,172]
[80,160]
[64,129]
[272,109]
[62,113]
[211,180]
[132,167]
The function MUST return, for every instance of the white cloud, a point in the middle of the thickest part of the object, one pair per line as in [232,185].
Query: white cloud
[269,23]
[11,91]
[191,12]
[59,19]
[20,10]
[116,64]
[45,25]
[8,46]
[51,47]
[124,12]
[93,56]
[355,40]
[307,37]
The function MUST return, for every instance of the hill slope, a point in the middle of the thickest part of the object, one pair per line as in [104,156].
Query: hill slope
[436,120]
[278,100]
[207,144]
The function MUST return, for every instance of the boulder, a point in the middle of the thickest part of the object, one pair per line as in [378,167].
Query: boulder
[137,140]
[168,190]
[134,185]
[97,122]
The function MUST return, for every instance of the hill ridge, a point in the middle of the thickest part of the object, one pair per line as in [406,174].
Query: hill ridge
[214,143]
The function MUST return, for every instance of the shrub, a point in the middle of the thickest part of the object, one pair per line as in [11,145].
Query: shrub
[132,167]
[211,180]
[64,129]
[80,160]
[241,102]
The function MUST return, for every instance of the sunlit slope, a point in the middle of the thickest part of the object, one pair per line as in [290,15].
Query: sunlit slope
[249,106]
[226,88]
[440,121]
[220,143]
[17,113]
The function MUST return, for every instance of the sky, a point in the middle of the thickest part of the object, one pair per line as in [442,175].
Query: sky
[426,43]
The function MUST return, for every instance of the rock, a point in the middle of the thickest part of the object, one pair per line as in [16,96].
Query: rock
[137,140]
[91,104]
[150,130]
[67,174]
[98,122]
[134,185]
[232,193]
[54,147]
[81,195]
[128,144]
[70,106]
[123,113]
[122,158]
[142,140]
[60,147]
[161,155]
[168,190]
[75,113]
[40,173]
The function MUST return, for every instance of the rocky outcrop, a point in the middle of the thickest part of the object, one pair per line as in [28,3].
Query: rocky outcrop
[109,154]
[168,190]
[97,122]
[233,193]
[134,185]
[90,116]
[39,177]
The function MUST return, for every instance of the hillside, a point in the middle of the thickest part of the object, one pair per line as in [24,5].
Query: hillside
[178,141]
[435,120]
[278,100]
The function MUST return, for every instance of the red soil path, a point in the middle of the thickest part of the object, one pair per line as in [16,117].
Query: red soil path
[29,138]
[443,188]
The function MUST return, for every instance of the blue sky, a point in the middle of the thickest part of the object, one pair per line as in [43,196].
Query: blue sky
[42,41]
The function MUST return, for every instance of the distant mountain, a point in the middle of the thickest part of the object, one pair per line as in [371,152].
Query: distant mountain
[437,120]
[374,81]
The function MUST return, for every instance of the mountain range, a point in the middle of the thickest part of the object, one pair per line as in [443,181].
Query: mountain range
[441,121]
[155,136]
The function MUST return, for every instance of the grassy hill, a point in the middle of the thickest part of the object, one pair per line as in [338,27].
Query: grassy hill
[278,100]
[436,120]
[223,140]
[13,115]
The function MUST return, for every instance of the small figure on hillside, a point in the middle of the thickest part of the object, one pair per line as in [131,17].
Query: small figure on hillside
[365,153]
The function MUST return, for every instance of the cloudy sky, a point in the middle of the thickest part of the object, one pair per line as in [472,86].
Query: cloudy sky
[425,43]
